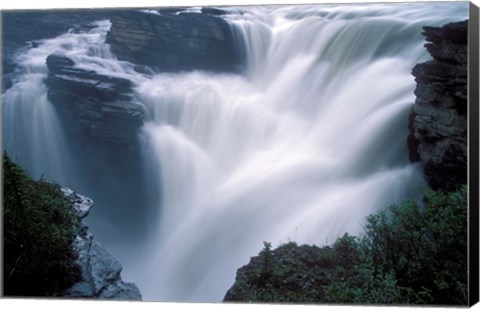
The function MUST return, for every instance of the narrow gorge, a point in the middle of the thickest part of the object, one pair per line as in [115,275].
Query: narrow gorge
[201,133]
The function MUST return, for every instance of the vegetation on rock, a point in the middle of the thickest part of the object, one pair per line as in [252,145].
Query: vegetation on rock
[409,254]
[39,226]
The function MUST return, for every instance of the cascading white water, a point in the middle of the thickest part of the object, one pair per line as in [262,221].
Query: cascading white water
[32,133]
[301,146]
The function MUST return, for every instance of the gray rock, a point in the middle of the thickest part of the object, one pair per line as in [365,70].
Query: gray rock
[82,204]
[99,105]
[173,41]
[101,272]
[106,277]
[438,123]
[84,288]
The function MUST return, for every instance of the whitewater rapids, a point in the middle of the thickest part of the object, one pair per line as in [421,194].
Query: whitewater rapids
[301,145]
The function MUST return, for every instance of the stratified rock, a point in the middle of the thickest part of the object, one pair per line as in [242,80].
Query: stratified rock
[100,105]
[213,11]
[100,271]
[172,41]
[438,123]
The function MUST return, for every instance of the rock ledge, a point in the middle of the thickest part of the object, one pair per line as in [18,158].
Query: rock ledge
[101,106]
[100,271]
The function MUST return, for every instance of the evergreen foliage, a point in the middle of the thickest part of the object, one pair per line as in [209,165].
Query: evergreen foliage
[409,254]
[39,226]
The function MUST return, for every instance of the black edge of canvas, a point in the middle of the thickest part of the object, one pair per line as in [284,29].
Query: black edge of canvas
[473,80]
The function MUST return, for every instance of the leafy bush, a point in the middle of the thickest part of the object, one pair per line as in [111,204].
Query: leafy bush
[39,226]
[424,246]
[410,254]
[290,273]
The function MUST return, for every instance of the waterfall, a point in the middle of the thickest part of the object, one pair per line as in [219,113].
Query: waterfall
[302,145]
[35,137]
[32,131]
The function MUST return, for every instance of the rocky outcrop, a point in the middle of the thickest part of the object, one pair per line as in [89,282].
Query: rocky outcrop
[438,123]
[171,41]
[100,271]
[42,24]
[289,273]
[100,106]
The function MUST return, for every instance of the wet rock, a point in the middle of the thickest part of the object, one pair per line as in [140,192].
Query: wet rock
[101,272]
[213,11]
[173,40]
[99,105]
[438,123]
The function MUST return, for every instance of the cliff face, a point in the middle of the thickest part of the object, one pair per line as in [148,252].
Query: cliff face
[438,123]
[100,271]
[101,105]
[170,41]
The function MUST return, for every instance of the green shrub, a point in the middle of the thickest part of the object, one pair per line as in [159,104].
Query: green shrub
[424,246]
[410,254]
[39,226]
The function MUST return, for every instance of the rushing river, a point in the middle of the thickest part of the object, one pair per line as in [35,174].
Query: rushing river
[300,146]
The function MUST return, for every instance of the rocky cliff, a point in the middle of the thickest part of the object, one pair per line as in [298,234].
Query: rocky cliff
[101,106]
[438,122]
[170,40]
[100,271]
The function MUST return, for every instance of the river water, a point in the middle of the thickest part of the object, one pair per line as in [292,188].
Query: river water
[301,145]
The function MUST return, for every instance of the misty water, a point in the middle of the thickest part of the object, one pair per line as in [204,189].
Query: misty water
[301,145]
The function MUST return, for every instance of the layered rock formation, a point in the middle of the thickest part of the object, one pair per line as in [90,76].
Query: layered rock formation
[438,123]
[100,271]
[101,106]
[170,41]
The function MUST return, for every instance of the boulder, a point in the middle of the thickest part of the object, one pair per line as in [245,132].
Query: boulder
[438,123]
[101,273]
[81,204]
[173,41]
[101,106]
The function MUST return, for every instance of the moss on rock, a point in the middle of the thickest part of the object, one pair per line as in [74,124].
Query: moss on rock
[39,226]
